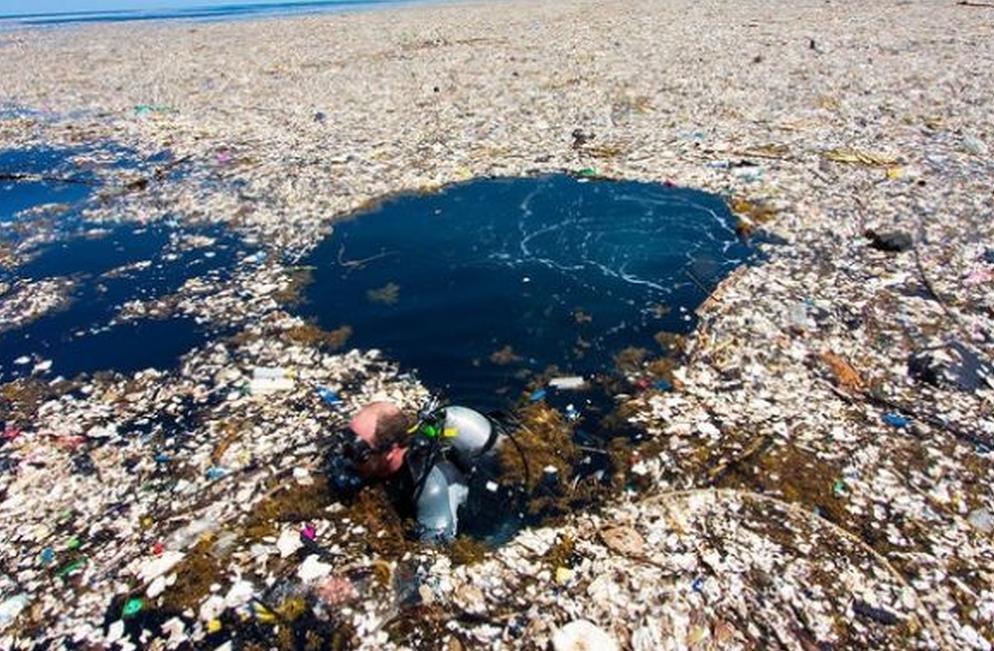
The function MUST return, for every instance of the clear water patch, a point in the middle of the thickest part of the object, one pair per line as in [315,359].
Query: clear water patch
[78,275]
[483,286]
[36,177]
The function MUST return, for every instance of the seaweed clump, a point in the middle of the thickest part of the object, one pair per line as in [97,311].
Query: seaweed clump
[419,627]
[801,478]
[467,551]
[20,399]
[562,553]
[309,334]
[630,360]
[194,576]
[292,292]
[299,628]
[504,356]
[298,503]
[373,509]
[671,342]
[389,294]
[546,466]
[751,214]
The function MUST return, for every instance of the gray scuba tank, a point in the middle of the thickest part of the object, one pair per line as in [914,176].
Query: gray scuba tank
[444,492]
[468,432]
[469,435]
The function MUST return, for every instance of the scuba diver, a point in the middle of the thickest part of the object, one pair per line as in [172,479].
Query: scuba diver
[427,465]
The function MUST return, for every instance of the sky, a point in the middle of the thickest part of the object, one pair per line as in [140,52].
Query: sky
[8,7]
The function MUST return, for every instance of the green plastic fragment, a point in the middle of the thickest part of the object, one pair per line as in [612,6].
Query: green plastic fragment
[588,172]
[145,109]
[132,607]
[839,488]
[72,567]
[74,543]
[430,431]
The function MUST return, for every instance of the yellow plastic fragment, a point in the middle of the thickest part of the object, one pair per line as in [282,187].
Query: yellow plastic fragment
[214,626]
[264,615]
[450,432]
[771,150]
[858,157]
[894,173]
[563,575]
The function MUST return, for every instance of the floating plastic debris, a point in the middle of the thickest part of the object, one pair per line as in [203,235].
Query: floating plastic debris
[266,386]
[573,383]
[896,420]
[132,607]
[328,396]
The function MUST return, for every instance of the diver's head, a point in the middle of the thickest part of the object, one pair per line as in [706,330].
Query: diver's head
[373,446]
[380,432]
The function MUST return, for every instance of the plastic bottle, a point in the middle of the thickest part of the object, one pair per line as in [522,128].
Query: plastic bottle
[271,373]
[262,386]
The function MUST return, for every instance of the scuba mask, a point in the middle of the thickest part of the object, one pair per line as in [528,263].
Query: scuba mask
[345,458]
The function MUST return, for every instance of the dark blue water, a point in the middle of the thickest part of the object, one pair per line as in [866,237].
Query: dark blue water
[108,264]
[202,12]
[482,285]
[16,196]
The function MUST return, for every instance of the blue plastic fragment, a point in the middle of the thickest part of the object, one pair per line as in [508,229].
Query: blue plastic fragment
[662,385]
[47,555]
[163,458]
[329,396]
[215,472]
[697,584]
[537,395]
[896,420]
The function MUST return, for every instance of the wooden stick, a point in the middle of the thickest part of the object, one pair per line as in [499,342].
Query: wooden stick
[23,176]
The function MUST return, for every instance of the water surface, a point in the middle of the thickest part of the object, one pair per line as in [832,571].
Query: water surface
[106,265]
[481,286]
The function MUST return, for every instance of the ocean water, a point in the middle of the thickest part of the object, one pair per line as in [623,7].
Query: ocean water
[108,265]
[482,286]
[205,12]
